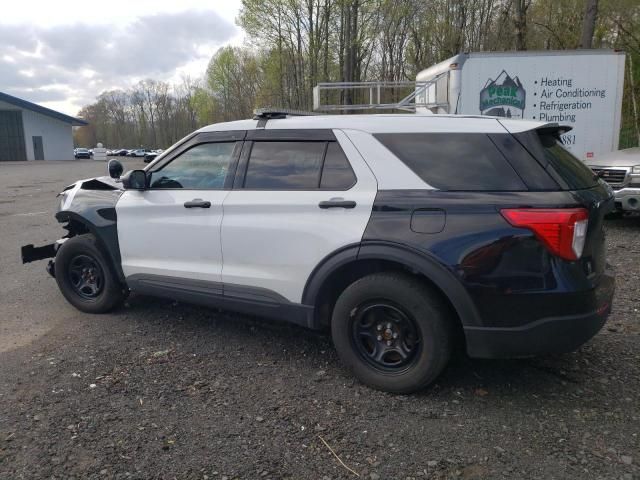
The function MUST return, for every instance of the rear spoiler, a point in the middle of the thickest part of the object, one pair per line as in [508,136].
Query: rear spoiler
[550,133]
[524,125]
[554,129]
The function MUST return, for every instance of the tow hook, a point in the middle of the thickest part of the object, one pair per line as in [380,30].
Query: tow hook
[51,268]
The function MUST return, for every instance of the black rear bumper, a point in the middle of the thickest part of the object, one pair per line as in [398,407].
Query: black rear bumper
[545,336]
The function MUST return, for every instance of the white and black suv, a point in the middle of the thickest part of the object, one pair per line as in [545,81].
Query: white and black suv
[401,233]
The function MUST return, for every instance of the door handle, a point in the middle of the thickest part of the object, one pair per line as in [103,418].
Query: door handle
[337,203]
[197,203]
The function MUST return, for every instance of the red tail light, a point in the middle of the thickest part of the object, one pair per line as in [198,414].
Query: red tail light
[562,230]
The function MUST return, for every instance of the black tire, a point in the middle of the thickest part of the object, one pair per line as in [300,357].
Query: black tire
[417,316]
[85,277]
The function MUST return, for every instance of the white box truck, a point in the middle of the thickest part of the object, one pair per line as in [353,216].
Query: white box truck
[580,88]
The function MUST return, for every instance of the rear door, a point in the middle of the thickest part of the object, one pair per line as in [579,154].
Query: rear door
[172,229]
[298,196]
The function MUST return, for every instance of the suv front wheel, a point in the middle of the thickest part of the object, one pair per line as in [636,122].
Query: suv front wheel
[392,331]
[84,276]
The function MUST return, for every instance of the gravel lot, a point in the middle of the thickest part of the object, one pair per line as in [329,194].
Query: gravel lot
[165,390]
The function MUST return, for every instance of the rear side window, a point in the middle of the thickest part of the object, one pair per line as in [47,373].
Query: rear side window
[566,169]
[336,173]
[298,165]
[285,165]
[528,168]
[454,161]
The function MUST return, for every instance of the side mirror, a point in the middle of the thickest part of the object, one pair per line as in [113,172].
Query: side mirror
[135,180]
[115,168]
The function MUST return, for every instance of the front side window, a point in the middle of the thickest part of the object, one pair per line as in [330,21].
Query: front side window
[203,167]
[285,165]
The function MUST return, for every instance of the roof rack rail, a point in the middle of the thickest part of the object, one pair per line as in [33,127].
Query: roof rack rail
[271,113]
[383,95]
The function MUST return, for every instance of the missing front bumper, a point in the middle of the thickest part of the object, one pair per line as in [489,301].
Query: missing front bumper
[32,254]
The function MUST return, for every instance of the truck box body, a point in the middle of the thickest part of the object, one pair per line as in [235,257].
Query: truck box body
[580,88]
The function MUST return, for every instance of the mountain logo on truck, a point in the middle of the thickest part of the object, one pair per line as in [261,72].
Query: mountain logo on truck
[503,97]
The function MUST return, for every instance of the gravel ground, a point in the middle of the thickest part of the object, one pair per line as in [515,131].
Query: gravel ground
[165,390]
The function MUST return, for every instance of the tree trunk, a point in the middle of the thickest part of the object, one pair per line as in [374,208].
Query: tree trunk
[347,74]
[634,101]
[281,101]
[520,24]
[589,23]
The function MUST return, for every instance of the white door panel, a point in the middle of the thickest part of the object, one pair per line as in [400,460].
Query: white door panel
[274,239]
[158,235]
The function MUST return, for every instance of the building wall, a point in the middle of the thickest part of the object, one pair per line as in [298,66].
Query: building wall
[57,136]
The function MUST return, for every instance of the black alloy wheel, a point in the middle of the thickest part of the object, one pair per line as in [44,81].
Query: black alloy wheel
[85,277]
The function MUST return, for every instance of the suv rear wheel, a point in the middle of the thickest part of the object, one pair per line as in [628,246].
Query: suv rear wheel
[392,331]
[84,276]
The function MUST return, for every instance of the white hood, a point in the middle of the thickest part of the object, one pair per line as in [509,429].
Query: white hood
[628,157]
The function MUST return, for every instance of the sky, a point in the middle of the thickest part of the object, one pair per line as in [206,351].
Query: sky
[63,53]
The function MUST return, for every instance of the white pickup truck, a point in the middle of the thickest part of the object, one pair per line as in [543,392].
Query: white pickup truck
[621,170]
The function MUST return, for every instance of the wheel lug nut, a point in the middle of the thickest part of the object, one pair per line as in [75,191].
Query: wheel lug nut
[379,327]
[379,337]
[389,325]
[395,335]
[389,342]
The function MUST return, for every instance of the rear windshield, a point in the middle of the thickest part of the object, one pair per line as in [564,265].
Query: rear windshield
[566,169]
[454,161]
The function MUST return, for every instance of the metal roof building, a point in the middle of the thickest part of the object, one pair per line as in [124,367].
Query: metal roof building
[32,132]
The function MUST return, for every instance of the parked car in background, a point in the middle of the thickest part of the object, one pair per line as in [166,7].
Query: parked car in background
[138,152]
[621,170]
[82,153]
[403,234]
[151,155]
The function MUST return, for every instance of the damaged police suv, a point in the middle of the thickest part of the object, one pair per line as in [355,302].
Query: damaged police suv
[403,234]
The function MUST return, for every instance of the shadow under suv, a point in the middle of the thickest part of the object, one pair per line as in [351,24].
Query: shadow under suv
[397,232]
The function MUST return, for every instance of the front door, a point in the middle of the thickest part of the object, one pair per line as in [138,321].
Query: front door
[38,148]
[171,230]
[299,196]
